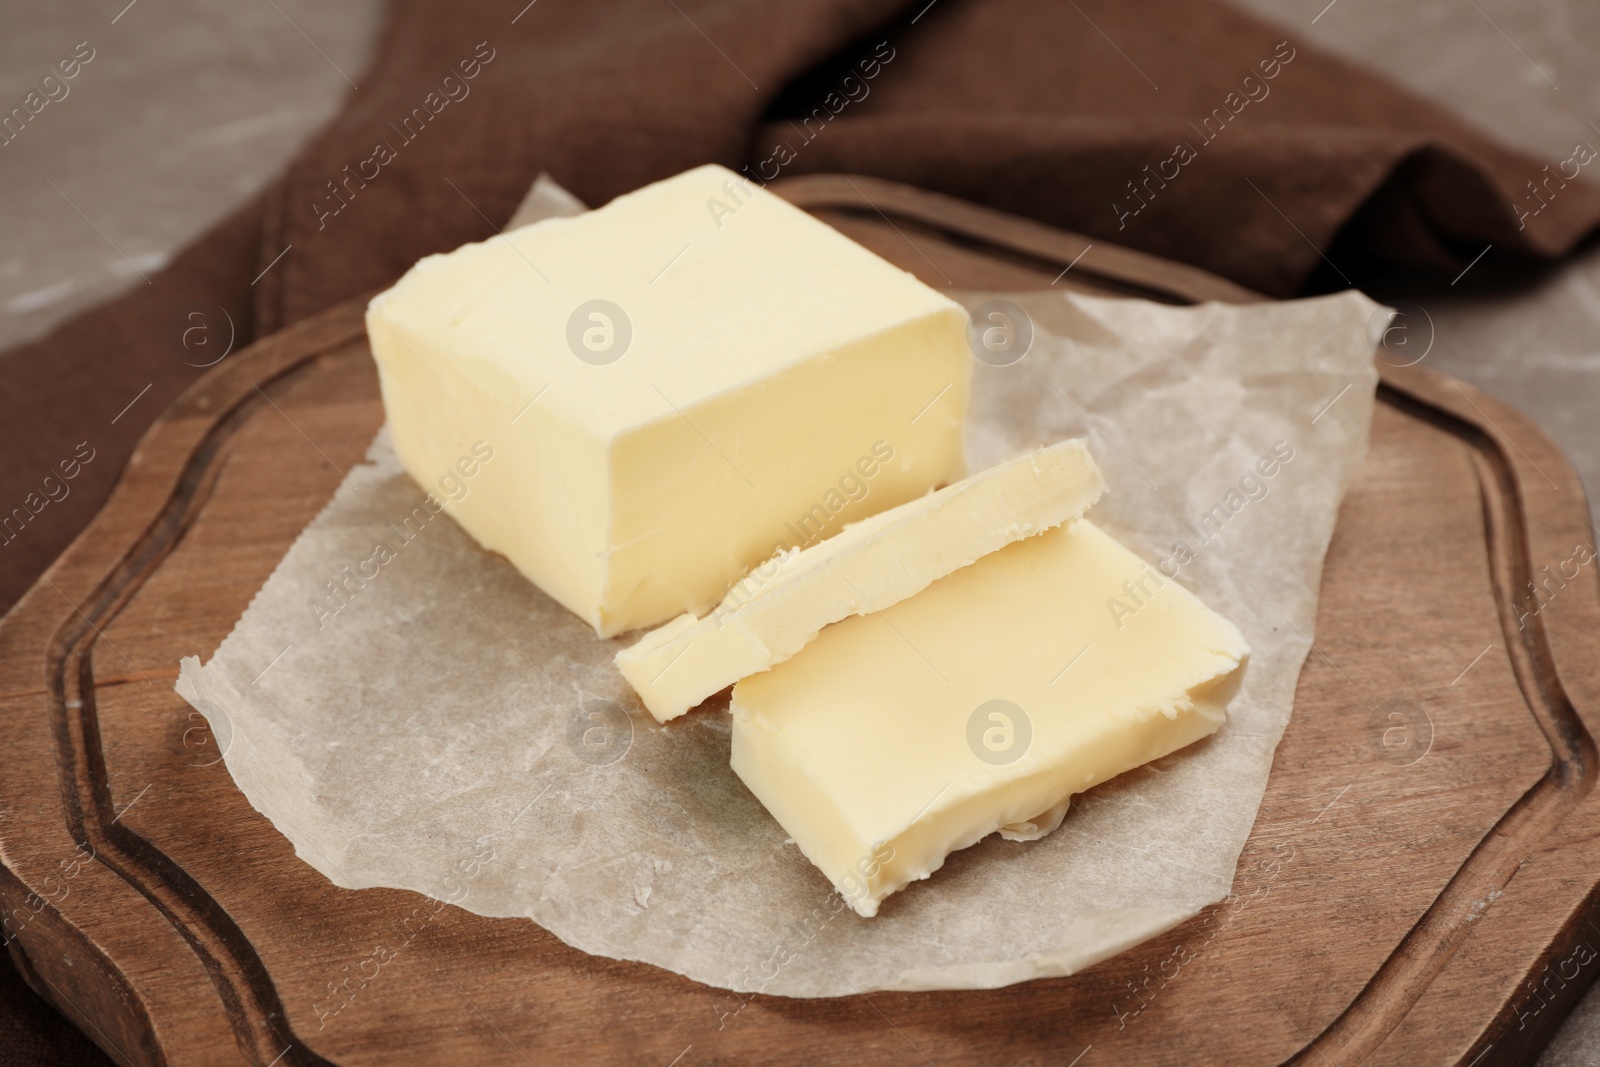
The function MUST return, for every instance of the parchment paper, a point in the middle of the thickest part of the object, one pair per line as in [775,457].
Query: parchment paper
[451,730]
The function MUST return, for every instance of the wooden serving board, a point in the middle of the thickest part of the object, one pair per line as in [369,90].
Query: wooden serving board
[1419,886]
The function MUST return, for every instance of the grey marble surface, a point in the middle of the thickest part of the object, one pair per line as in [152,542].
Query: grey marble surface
[186,108]
[189,106]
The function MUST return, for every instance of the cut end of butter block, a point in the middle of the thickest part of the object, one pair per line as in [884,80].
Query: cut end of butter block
[670,389]
[983,703]
[781,605]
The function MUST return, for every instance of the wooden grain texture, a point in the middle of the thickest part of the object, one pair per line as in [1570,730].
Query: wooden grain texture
[1427,903]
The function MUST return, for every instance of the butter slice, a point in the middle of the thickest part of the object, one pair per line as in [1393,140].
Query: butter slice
[877,749]
[781,605]
[749,362]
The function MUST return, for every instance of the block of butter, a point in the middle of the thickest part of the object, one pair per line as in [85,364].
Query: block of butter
[776,609]
[675,385]
[980,704]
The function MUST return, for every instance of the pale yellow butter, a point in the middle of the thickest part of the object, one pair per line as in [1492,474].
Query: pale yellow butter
[881,748]
[748,364]
[781,605]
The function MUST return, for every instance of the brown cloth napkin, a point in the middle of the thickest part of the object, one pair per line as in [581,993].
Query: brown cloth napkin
[1180,127]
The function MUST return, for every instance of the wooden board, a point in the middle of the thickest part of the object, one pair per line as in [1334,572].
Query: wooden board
[1419,886]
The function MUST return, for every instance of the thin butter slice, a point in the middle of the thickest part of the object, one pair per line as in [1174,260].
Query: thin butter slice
[980,704]
[780,606]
